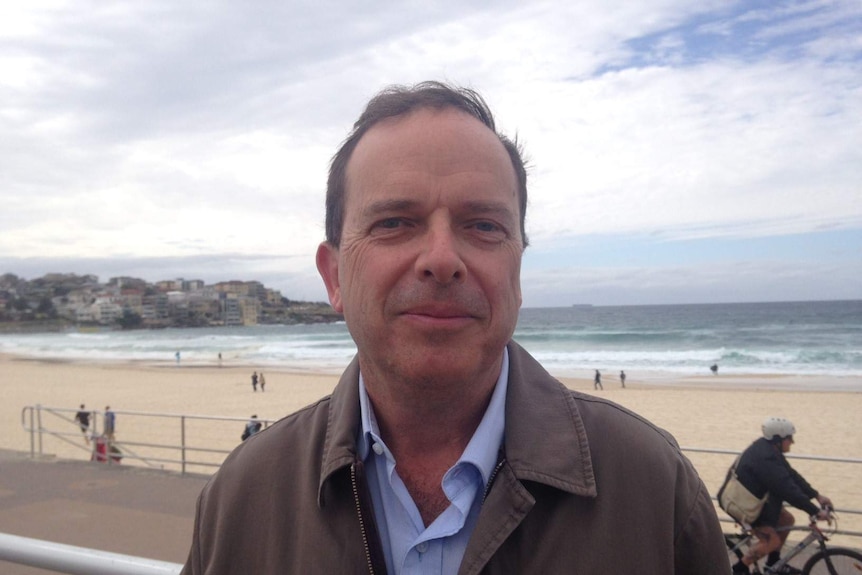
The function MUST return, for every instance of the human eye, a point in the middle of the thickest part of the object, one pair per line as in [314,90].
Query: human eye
[488,230]
[390,227]
[488,227]
[389,223]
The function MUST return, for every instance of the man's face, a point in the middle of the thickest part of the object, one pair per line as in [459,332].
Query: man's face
[428,271]
[786,443]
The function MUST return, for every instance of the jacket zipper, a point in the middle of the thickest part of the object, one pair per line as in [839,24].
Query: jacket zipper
[492,477]
[361,520]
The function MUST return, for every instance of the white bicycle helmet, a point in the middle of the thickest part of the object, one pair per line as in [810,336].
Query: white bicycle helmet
[779,426]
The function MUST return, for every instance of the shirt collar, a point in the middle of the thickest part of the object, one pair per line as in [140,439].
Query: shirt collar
[483,448]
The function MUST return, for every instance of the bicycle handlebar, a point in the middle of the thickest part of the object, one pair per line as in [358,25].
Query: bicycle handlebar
[830,516]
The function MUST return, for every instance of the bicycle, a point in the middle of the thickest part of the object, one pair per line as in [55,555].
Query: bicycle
[825,561]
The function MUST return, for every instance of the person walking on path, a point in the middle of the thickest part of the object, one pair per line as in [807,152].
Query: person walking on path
[623,379]
[110,423]
[597,381]
[83,419]
[254,381]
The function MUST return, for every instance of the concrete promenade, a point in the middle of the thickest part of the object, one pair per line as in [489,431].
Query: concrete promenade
[115,508]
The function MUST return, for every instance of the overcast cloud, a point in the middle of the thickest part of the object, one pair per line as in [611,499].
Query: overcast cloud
[680,151]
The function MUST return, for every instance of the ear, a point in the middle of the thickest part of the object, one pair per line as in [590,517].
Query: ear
[327,266]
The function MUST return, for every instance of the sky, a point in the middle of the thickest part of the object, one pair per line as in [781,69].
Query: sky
[678,151]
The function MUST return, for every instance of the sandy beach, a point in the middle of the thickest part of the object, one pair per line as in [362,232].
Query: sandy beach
[720,413]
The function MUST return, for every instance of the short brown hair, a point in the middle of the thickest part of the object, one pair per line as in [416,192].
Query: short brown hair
[397,101]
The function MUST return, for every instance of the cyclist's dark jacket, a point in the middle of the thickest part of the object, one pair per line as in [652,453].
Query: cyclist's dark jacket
[763,468]
[583,487]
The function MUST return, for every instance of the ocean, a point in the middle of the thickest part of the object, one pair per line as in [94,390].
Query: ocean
[648,342]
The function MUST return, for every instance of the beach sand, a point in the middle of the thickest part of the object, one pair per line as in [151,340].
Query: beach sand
[713,412]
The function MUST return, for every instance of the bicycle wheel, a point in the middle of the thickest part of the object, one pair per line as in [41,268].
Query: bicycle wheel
[835,561]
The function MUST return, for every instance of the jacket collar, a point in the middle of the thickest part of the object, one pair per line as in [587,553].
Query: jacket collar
[545,439]
[342,426]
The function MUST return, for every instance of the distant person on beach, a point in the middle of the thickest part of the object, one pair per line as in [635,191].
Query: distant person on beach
[262,382]
[714,368]
[254,381]
[764,471]
[623,379]
[177,355]
[110,423]
[83,419]
[219,359]
[445,446]
[597,381]
[252,427]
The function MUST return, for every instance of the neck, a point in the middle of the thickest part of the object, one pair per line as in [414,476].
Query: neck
[426,423]
[429,409]
[428,431]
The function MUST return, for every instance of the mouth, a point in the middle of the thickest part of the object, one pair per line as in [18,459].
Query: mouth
[439,314]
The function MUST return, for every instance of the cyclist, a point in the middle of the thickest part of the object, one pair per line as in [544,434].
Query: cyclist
[763,469]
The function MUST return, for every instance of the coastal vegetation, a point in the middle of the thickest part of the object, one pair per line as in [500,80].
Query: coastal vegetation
[58,301]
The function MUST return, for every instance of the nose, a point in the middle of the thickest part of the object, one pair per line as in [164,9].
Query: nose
[440,259]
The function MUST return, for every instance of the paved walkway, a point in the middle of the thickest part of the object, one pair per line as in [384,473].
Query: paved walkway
[114,508]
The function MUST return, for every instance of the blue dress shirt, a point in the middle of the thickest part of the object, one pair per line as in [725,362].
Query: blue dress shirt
[408,545]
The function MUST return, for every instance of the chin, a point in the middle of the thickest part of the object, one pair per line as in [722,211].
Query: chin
[433,364]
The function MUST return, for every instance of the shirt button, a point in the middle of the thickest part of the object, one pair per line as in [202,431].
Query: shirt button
[422,547]
[377,448]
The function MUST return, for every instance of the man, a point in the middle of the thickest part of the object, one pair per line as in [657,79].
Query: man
[763,469]
[445,448]
[252,427]
[110,423]
[83,419]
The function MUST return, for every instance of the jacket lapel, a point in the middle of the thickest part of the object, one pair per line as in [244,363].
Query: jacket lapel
[545,437]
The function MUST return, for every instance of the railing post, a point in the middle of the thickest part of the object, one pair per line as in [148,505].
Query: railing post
[32,435]
[39,422]
[183,444]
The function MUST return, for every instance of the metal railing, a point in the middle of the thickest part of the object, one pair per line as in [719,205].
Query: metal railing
[724,518]
[176,442]
[78,560]
[198,442]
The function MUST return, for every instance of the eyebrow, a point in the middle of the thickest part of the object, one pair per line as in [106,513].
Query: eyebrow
[471,206]
[384,206]
[488,207]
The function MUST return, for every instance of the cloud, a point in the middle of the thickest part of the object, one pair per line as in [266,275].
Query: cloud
[722,282]
[136,131]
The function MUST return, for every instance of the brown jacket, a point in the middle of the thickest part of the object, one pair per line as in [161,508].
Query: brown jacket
[583,487]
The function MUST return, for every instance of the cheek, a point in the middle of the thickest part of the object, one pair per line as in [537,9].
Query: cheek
[365,278]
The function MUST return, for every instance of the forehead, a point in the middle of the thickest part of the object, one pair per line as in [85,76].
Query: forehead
[430,147]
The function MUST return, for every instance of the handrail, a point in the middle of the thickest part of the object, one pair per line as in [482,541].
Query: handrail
[724,518]
[79,560]
[191,450]
[64,558]
[786,455]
